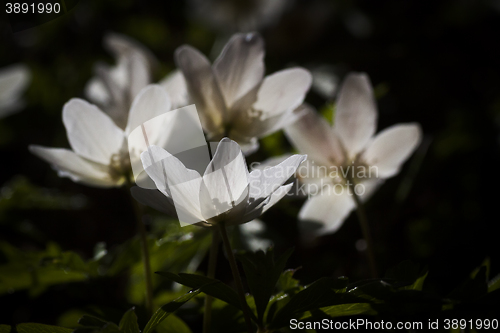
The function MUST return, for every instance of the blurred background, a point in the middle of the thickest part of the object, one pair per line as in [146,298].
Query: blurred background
[432,62]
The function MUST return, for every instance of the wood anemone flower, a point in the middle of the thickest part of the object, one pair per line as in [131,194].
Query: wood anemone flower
[100,155]
[226,192]
[348,151]
[233,97]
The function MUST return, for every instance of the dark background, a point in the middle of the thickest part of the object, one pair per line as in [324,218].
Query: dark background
[434,62]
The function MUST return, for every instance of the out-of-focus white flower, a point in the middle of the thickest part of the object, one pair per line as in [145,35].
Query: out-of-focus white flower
[240,15]
[114,88]
[233,97]
[350,151]
[99,155]
[13,80]
[325,81]
[226,192]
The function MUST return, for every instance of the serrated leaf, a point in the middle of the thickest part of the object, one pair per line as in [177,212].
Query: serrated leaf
[287,283]
[262,274]
[168,309]
[213,287]
[41,328]
[128,323]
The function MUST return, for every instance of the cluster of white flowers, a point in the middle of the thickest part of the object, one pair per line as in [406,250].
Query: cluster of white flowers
[234,102]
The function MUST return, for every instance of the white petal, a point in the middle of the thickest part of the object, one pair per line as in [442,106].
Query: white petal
[240,66]
[173,179]
[264,182]
[96,91]
[202,87]
[312,135]
[282,90]
[262,206]
[69,164]
[91,133]
[175,85]
[356,113]
[152,101]
[139,73]
[120,44]
[13,80]
[154,199]
[226,176]
[329,209]
[277,196]
[391,147]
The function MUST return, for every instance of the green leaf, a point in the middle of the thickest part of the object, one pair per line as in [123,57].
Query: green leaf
[322,293]
[348,310]
[173,324]
[494,284]
[262,274]
[418,284]
[128,324]
[168,309]
[288,283]
[212,287]
[91,321]
[41,328]
[486,263]
[5,328]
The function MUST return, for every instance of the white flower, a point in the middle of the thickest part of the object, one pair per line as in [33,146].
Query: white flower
[99,155]
[114,88]
[226,192]
[348,151]
[233,97]
[242,15]
[13,81]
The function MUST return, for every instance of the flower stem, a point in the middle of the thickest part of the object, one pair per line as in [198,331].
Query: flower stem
[365,228]
[212,262]
[145,253]
[236,275]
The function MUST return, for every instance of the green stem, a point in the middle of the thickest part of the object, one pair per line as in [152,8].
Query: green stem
[212,262]
[236,275]
[365,228]
[145,253]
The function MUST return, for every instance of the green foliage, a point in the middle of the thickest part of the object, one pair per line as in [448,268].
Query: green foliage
[38,270]
[169,308]
[213,287]
[41,328]
[262,274]
[128,324]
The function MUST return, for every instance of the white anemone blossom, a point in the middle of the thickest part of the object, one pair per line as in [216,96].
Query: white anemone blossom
[114,88]
[100,155]
[13,81]
[233,97]
[348,152]
[226,192]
